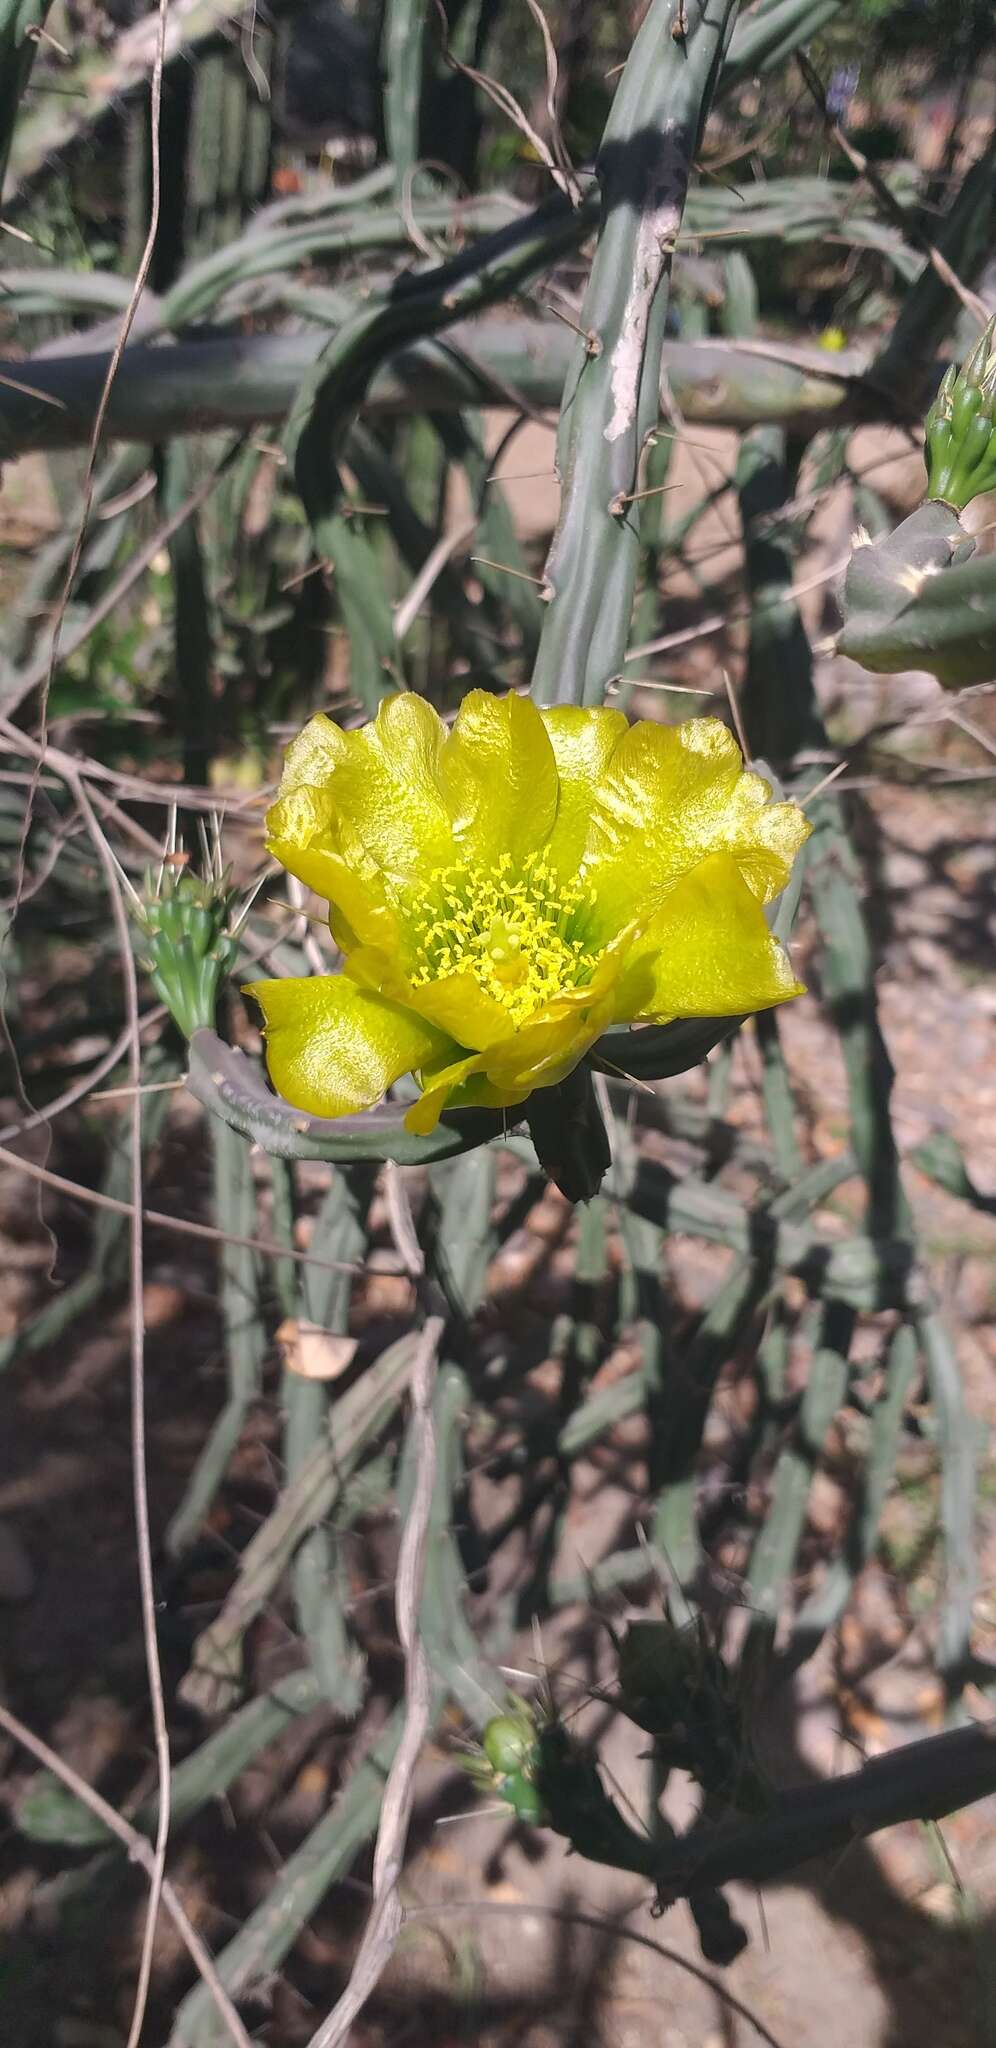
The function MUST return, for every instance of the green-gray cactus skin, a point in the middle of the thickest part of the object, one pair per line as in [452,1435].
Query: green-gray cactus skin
[922,597]
[612,396]
[961,428]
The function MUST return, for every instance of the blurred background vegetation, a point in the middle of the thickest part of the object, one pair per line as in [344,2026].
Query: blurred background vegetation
[749,1387]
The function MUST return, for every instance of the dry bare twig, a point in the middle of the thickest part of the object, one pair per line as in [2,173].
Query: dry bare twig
[143,1536]
[135,787]
[600,1924]
[384,1924]
[120,344]
[140,1852]
[84,1083]
[557,142]
[893,207]
[509,105]
[448,545]
[161,1220]
[37,671]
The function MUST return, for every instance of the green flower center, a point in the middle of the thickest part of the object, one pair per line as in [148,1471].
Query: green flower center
[520,932]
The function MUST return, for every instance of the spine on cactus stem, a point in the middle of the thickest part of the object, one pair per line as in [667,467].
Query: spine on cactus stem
[611,400]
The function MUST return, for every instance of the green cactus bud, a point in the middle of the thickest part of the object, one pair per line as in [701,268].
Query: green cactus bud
[507,1760]
[522,1796]
[961,428]
[509,1742]
[188,950]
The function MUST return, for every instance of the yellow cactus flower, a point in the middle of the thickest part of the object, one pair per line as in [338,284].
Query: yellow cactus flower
[505,891]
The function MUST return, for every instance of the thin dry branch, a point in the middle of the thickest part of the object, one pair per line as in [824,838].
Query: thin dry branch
[601,1924]
[137,787]
[432,568]
[557,143]
[40,670]
[141,1852]
[84,1083]
[161,1220]
[897,213]
[384,1924]
[509,106]
[117,352]
[719,620]
[140,1486]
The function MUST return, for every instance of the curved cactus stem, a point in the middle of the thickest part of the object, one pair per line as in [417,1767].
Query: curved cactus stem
[921,598]
[777,1543]
[776,1090]
[824,1608]
[452,1647]
[940,1157]
[916,1781]
[335,387]
[957,1443]
[780,723]
[769,33]
[232,1087]
[612,395]
[750,1285]
[849,989]
[464,1242]
[49,1812]
[402,38]
[203,385]
[20,22]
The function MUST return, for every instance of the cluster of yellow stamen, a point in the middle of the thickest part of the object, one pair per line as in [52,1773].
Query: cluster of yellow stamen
[519,931]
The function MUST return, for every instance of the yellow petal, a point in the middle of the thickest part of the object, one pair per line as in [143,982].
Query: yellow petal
[458,1005]
[437,1087]
[583,743]
[461,1085]
[333,1048]
[301,833]
[499,778]
[385,791]
[547,1050]
[537,1056]
[707,953]
[314,755]
[671,796]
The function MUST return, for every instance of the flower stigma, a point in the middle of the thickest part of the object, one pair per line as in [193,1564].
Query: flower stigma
[519,931]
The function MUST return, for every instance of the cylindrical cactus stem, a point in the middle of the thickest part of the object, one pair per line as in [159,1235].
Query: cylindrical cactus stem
[234,1088]
[612,398]
[245,1337]
[922,598]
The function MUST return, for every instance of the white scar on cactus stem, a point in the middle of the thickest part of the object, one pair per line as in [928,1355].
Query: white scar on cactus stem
[913,580]
[660,221]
